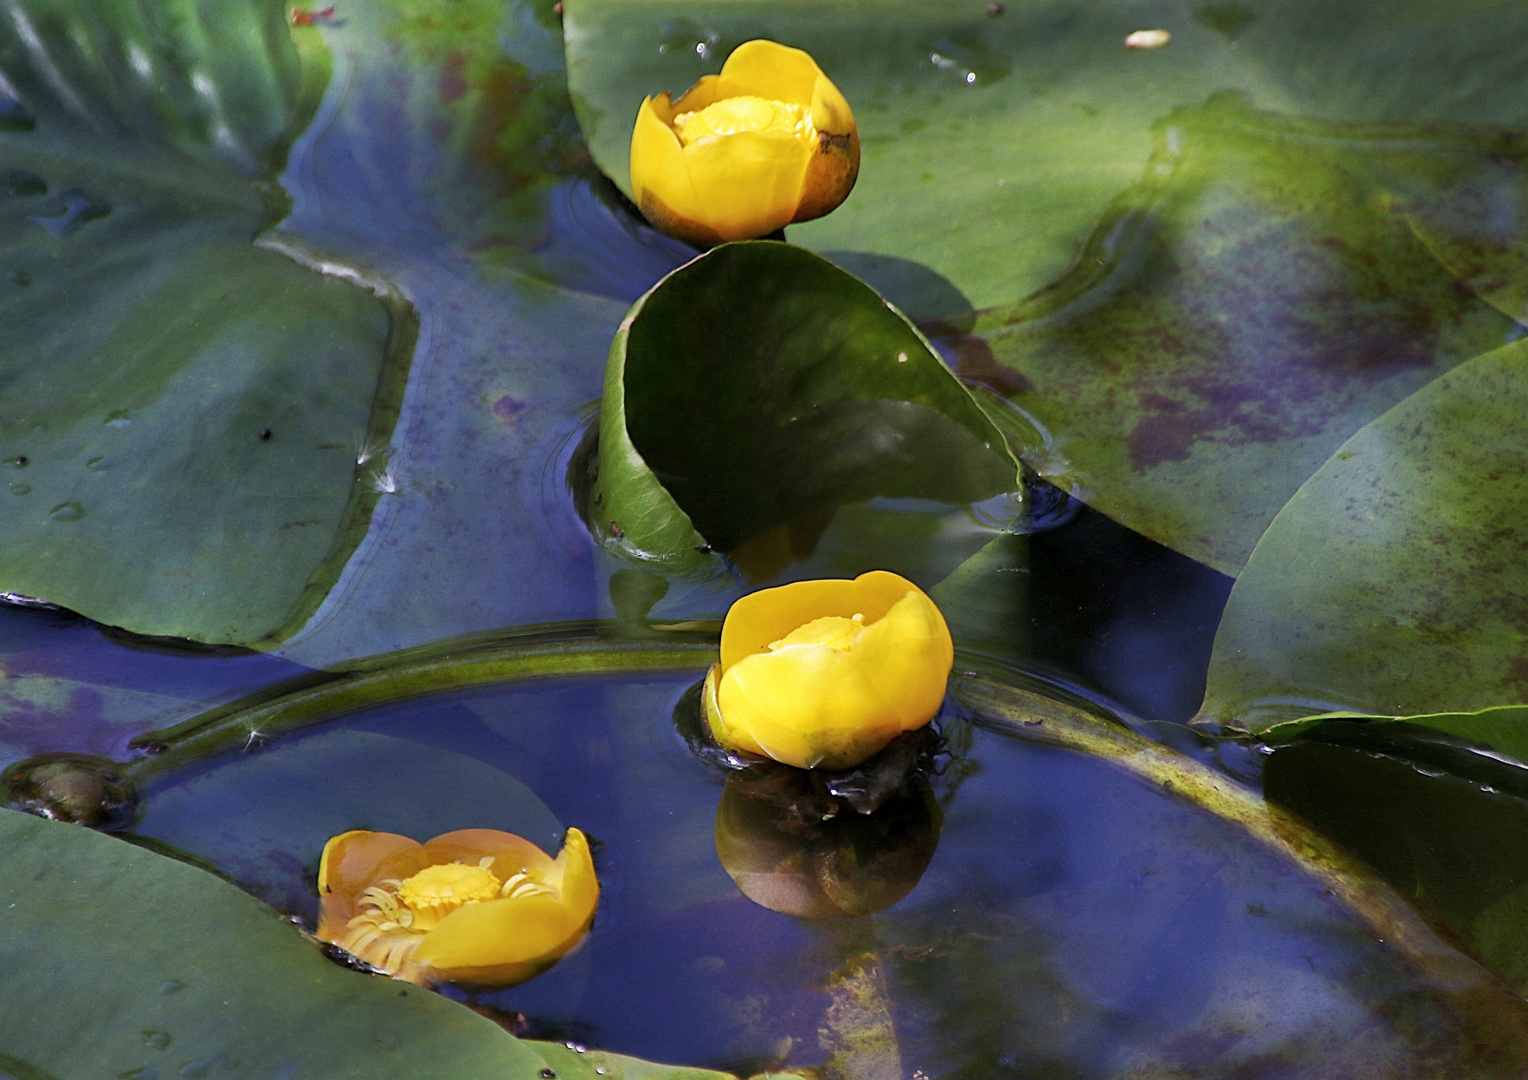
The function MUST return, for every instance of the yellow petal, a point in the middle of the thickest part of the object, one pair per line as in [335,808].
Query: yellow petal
[514,937]
[770,70]
[351,862]
[708,91]
[907,655]
[835,166]
[830,110]
[811,706]
[747,184]
[732,738]
[354,860]
[770,614]
[660,179]
[501,942]
[574,876]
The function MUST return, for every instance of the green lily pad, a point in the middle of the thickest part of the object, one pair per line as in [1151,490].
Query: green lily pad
[180,407]
[1258,298]
[1194,343]
[263,817]
[1393,584]
[121,962]
[757,389]
[994,143]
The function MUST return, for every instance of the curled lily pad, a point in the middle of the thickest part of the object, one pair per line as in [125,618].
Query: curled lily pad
[756,390]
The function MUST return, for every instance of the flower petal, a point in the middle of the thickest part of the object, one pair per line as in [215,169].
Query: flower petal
[510,853]
[906,656]
[352,862]
[708,91]
[809,706]
[768,615]
[768,69]
[835,166]
[503,942]
[660,179]
[747,184]
[734,738]
[574,876]
[500,941]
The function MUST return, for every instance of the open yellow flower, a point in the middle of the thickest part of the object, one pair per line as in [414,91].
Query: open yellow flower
[767,142]
[477,906]
[826,673]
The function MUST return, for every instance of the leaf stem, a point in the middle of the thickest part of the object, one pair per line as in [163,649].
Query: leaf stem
[563,650]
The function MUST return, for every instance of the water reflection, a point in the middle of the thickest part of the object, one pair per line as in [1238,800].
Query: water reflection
[789,852]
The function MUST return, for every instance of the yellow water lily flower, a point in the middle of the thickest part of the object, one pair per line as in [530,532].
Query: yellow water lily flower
[823,674]
[477,906]
[767,142]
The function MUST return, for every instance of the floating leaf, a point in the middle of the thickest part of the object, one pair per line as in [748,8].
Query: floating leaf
[1194,343]
[993,143]
[180,408]
[1252,303]
[1393,584]
[757,389]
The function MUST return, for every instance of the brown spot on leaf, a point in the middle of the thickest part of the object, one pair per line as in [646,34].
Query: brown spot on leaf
[508,408]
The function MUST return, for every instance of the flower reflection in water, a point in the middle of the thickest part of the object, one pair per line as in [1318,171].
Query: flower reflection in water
[793,848]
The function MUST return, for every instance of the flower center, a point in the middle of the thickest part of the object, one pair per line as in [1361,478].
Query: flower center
[834,631]
[437,891]
[732,115]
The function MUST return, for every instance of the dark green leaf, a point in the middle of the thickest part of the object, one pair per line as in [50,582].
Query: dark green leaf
[1247,307]
[179,408]
[758,389]
[1393,583]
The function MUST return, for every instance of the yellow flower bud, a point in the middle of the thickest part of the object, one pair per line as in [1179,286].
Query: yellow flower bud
[767,142]
[477,906]
[823,674]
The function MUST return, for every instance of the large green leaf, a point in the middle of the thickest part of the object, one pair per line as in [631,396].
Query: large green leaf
[1393,584]
[1255,300]
[993,144]
[119,962]
[759,388]
[1228,320]
[178,408]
